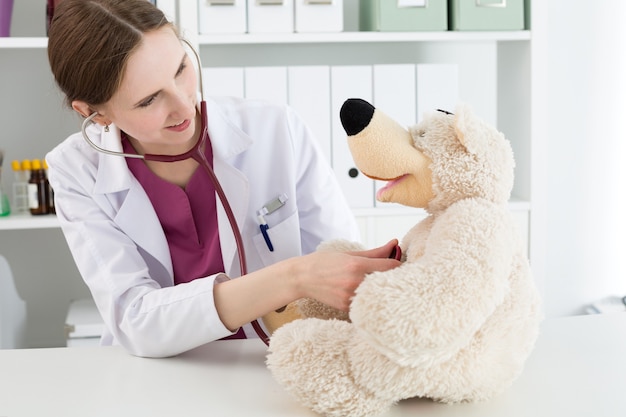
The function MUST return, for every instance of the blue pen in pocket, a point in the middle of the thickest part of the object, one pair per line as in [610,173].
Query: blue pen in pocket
[267,209]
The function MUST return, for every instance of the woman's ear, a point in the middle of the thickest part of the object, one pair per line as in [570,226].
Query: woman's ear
[85,110]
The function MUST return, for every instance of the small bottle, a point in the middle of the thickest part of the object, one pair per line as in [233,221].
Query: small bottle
[20,187]
[27,167]
[37,190]
[50,202]
[5,207]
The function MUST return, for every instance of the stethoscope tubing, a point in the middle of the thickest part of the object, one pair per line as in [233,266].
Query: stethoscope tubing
[83,128]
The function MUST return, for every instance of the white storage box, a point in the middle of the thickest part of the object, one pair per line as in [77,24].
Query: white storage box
[222,16]
[319,16]
[83,324]
[270,16]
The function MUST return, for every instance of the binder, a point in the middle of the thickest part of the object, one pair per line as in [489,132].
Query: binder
[437,88]
[318,15]
[270,16]
[222,16]
[352,81]
[404,15]
[394,91]
[268,83]
[386,228]
[223,81]
[188,20]
[395,95]
[487,15]
[309,95]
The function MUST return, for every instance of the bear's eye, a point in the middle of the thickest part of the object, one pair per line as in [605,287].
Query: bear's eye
[446,112]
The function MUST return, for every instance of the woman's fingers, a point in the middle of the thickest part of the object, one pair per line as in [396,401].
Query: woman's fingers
[339,274]
[379,252]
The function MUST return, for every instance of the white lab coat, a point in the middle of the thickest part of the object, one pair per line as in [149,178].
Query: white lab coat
[260,151]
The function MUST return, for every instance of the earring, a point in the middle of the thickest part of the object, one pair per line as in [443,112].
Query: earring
[106,128]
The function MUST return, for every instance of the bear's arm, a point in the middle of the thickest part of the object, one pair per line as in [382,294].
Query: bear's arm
[430,308]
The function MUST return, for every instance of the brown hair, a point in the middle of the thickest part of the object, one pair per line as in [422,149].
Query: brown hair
[90,41]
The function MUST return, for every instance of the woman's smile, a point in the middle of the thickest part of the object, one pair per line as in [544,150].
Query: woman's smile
[180,127]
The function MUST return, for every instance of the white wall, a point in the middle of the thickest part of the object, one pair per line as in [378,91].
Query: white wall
[585,182]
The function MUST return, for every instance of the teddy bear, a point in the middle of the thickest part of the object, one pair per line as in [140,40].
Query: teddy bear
[456,321]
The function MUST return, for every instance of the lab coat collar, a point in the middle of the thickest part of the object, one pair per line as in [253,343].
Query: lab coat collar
[113,174]
[227,138]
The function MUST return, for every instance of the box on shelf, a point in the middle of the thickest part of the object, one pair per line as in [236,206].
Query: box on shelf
[404,15]
[222,16]
[486,14]
[270,16]
[318,16]
[83,324]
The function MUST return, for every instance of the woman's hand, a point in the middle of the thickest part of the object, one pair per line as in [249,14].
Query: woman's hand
[332,277]
[328,277]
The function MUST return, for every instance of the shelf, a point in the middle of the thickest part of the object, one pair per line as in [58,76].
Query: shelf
[28,221]
[397,210]
[361,37]
[24,43]
[302,38]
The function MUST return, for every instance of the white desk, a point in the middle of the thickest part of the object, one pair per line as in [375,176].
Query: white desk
[578,368]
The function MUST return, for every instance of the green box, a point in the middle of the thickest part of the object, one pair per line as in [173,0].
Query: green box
[403,15]
[486,14]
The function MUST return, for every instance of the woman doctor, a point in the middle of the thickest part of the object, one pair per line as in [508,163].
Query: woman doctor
[149,238]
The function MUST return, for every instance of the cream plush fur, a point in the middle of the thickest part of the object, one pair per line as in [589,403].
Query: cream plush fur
[457,320]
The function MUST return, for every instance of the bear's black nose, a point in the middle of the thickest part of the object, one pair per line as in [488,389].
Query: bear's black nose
[355,115]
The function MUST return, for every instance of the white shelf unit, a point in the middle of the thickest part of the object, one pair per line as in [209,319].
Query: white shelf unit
[506,100]
[501,91]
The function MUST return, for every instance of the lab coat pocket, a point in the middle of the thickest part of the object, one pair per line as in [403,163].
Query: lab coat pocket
[283,238]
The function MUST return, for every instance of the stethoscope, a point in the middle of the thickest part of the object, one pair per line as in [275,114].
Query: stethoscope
[197,153]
